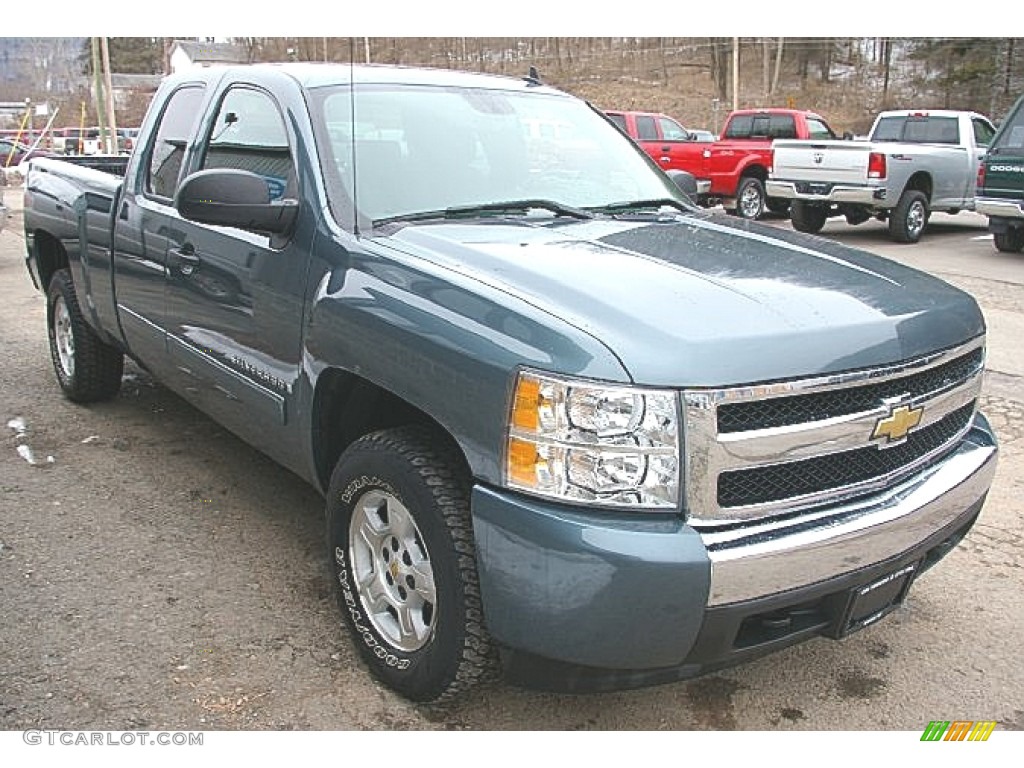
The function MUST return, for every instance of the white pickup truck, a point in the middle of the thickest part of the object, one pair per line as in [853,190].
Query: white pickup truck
[913,162]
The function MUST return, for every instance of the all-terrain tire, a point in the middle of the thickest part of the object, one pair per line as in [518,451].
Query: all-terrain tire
[88,369]
[401,544]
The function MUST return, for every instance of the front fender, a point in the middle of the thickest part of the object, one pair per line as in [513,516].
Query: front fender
[443,343]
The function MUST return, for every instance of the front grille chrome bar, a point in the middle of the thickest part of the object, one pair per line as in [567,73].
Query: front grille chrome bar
[937,387]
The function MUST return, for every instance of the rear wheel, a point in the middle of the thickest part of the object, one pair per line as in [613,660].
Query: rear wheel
[807,217]
[908,219]
[87,368]
[1010,241]
[401,543]
[750,198]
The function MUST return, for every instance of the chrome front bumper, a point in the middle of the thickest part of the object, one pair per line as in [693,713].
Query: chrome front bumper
[758,560]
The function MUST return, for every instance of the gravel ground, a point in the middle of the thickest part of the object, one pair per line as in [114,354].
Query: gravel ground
[159,574]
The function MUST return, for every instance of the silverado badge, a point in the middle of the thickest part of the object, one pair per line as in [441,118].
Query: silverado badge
[897,424]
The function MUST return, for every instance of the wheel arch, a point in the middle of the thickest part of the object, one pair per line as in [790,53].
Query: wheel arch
[347,406]
[755,169]
[50,256]
[920,182]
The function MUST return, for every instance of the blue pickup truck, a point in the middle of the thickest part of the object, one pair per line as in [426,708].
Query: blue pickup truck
[568,426]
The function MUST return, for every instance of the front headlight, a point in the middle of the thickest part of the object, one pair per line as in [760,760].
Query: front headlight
[586,441]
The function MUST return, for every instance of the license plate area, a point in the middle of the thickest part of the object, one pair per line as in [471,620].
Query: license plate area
[868,603]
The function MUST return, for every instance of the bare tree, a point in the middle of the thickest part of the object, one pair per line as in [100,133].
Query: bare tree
[778,68]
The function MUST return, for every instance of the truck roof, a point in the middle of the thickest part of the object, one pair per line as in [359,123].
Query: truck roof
[318,75]
[775,111]
[929,113]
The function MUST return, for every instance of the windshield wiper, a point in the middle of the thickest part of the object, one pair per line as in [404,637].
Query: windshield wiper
[642,205]
[484,209]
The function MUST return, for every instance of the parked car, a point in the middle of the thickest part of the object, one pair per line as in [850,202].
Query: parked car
[667,141]
[914,162]
[1000,183]
[14,153]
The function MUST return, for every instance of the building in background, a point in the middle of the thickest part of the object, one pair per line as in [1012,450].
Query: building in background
[186,54]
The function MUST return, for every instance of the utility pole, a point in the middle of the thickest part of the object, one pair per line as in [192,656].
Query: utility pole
[97,93]
[735,73]
[765,67]
[111,145]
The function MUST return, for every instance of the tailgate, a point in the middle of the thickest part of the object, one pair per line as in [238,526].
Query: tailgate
[1004,174]
[834,162]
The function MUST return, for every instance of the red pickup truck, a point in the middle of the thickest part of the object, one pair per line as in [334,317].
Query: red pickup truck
[737,165]
[734,168]
[669,144]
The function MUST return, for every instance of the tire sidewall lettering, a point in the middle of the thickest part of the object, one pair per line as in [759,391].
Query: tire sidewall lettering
[348,594]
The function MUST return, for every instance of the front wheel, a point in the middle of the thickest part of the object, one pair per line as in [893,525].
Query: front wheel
[1010,241]
[750,198]
[908,219]
[401,542]
[88,369]
[807,217]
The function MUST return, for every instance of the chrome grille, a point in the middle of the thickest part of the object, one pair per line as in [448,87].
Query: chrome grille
[780,411]
[744,487]
[759,451]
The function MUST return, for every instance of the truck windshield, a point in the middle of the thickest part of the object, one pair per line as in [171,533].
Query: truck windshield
[391,151]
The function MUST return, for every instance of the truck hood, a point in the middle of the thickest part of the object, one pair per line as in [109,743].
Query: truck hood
[703,300]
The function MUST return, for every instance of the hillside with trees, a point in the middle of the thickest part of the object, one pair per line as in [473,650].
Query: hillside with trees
[848,80]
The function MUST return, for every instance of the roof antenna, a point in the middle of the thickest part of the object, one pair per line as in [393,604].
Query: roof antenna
[533,78]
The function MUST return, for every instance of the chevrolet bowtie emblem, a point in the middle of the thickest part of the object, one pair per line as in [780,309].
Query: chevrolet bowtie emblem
[897,424]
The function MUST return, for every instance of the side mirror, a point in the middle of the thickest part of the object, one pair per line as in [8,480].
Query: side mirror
[686,182]
[232,198]
[847,136]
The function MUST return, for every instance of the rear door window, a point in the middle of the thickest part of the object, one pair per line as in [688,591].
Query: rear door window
[172,134]
[740,127]
[645,128]
[781,127]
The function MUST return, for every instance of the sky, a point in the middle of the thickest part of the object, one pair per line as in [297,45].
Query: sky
[564,18]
